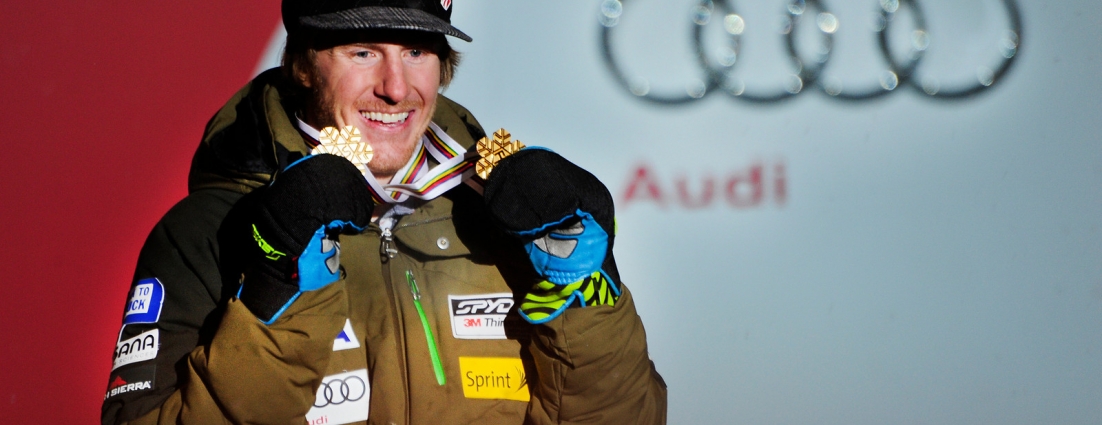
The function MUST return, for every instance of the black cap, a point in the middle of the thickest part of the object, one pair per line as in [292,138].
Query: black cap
[334,15]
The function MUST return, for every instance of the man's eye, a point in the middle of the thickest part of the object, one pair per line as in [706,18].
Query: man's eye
[416,53]
[363,54]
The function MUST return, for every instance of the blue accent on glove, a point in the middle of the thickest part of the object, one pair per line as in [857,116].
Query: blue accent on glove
[341,226]
[313,272]
[538,148]
[586,258]
[297,161]
[319,264]
[277,313]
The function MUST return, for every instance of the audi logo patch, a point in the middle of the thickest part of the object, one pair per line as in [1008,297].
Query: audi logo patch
[341,399]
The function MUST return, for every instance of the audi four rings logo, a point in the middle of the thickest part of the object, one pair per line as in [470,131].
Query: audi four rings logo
[719,75]
[339,391]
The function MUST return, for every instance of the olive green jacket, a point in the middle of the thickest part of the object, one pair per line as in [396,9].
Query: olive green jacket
[359,348]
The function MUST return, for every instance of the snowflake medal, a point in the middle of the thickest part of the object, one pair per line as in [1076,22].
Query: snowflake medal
[494,150]
[348,143]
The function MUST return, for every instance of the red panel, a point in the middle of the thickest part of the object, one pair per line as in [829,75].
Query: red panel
[103,105]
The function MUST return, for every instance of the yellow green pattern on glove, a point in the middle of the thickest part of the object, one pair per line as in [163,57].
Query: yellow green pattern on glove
[547,300]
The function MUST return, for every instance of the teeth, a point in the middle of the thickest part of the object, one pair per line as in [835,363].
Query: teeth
[385,118]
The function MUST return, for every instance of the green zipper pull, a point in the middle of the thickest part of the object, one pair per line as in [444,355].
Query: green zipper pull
[437,365]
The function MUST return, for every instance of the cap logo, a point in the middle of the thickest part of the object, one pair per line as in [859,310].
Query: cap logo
[446,3]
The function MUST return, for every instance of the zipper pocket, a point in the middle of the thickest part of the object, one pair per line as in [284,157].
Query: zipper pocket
[437,365]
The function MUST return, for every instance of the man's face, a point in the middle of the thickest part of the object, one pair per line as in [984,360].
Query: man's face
[385,88]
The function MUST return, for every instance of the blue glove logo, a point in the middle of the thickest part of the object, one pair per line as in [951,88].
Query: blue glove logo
[567,255]
[319,264]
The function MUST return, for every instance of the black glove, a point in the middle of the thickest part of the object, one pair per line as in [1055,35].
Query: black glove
[295,222]
[565,216]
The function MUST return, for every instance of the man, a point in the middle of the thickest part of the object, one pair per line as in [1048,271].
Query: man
[450,298]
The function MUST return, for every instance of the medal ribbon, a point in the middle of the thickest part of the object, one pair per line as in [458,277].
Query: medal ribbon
[417,180]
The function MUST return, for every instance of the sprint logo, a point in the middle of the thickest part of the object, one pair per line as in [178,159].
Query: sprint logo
[499,378]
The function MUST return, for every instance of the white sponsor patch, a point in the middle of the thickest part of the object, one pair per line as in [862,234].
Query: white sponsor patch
[479,316]
[346,340]
[137,349]
[341,399]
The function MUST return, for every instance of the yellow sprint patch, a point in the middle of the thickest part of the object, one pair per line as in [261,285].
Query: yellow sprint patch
[494,378]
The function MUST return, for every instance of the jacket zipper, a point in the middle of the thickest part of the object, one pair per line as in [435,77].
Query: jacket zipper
[387,249]
[387,253]
[437,365]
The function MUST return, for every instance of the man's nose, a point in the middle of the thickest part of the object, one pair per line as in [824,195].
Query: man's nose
[393,85]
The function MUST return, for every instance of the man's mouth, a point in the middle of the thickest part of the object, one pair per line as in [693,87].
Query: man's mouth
[384,117]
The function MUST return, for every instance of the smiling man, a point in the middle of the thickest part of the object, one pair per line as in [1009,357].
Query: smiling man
[384,83]
[386,284]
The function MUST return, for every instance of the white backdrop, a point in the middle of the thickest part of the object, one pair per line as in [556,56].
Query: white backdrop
[904,260]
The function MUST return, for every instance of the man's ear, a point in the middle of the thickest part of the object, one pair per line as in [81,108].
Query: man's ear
[304,78]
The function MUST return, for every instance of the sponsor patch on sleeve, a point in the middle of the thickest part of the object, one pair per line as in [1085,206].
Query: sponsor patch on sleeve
[131,380]
[137,349]
[346,340]
[500,378]
[144,305]
[479,316]
[341,399]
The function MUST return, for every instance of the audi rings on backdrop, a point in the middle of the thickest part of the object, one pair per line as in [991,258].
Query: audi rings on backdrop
[718,75]
[338,391]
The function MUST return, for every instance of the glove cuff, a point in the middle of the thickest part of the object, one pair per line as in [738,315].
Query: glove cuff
[266,296]
[548,300]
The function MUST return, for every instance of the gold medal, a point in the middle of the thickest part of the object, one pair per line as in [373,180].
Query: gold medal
[493,151]
[346,142]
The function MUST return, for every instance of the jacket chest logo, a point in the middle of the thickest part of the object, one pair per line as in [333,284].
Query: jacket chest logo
[343,398]
[498,378]
[346,340]
[479,316]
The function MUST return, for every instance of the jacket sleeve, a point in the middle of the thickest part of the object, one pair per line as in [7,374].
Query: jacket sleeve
[253,373]
[593,368]
[216,362]
[179,263]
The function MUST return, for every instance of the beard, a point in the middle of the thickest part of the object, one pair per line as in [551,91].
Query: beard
[389,156]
